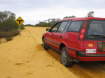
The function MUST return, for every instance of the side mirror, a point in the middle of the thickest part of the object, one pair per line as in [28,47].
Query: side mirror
[48,29]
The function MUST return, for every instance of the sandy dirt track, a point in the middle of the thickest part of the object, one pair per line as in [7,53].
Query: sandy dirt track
[24,57]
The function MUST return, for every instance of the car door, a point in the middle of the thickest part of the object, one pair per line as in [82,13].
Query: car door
[50,35]
[58,35]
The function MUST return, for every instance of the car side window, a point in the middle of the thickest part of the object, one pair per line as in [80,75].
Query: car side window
[55,27]
[75,26]
[62,26]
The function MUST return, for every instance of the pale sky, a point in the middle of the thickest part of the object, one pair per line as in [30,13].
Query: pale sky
[33,11]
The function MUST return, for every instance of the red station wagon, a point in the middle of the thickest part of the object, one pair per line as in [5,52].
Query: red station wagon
[77,39]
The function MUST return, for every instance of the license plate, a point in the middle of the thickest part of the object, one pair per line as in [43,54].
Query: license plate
[90,50]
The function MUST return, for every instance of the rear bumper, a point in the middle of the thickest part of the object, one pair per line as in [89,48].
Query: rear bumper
[82,56]
[90,57]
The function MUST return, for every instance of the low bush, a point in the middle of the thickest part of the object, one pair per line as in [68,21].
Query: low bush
[8,25]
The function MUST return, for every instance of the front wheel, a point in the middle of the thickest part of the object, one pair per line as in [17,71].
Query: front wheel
[66,60]
[45,45]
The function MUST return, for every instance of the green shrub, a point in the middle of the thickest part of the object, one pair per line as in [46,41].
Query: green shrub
[8,23]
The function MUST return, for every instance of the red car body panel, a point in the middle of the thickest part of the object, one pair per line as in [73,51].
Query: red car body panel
[74,44]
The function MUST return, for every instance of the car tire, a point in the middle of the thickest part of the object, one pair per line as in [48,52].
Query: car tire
[45,45]
[66,60]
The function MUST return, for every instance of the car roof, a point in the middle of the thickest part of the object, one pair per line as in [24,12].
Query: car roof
[84,18]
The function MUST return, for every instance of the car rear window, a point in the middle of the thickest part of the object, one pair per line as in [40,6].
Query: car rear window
[96,29]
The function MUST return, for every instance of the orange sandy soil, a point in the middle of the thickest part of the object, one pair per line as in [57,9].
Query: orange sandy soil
[24,57]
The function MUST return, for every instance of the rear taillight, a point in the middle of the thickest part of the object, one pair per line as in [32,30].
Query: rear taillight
[82,33]
[81,36]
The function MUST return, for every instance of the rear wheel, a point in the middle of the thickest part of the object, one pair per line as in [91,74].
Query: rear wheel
[66,60]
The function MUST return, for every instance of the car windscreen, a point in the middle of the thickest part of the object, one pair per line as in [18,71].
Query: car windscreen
[96,29]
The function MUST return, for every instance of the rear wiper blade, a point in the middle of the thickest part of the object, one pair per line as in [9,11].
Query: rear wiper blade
[97,35]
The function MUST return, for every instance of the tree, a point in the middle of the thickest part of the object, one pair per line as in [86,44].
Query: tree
[47,23]
[7,22]
[70,16]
